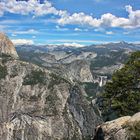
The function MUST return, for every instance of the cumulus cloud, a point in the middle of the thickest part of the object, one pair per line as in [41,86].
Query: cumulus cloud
[22,42]
[36,8]
[29,7]
[106,20]
[79,18]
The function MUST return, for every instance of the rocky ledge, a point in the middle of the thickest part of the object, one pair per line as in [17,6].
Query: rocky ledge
[6,46]
[124,128]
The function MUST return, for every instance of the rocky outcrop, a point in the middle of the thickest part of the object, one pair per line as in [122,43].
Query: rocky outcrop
[76,71]
[124,128]
[69,58]
[36,104]
[79,70]
[6,46]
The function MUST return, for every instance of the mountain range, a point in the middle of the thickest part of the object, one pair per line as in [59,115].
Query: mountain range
[50,92]
[95,63]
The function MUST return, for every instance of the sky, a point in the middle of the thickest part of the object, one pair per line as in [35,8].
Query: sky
[77,22]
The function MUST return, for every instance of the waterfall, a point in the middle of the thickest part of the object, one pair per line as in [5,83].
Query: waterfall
[103,80]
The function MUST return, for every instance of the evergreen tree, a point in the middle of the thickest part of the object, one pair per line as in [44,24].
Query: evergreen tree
[122,94]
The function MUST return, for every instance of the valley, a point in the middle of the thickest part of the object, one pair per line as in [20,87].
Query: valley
[57,93]
[90,64]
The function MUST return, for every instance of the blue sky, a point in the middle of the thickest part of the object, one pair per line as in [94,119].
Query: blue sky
[70,21]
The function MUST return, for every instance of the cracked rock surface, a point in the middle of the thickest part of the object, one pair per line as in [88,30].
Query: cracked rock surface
[47,107]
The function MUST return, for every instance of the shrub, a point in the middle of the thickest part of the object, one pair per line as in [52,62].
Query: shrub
[33,98]
[35,77]
[56,80]
[3,71]
[134,131]
[5,58]
[91,89]
[14,71]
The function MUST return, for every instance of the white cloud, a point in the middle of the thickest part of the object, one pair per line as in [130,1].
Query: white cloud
[30,31]
[106,20]
[99,30]
[80,30]
[126,33]
[109,32]
[81,42]
[22,42]
[61,29]
[13,35]
[29,7]
[73,44]
[71,40]
[103,31]
[79,18]
[36,9]
[7,21]
[77,29]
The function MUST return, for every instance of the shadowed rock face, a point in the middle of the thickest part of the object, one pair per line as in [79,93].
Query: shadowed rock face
[6,46]
[50,108]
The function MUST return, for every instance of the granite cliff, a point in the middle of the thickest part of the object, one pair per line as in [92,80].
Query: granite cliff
[37,104]
[6,46]
[124,128]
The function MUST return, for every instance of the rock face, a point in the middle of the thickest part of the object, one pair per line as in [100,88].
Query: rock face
[124,128]
[6,46]
[36,104]
[79,70]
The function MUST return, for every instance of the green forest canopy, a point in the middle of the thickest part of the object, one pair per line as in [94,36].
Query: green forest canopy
[122,94]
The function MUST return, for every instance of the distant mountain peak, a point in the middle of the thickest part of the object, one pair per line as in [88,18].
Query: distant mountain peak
[123,42]
[6,46]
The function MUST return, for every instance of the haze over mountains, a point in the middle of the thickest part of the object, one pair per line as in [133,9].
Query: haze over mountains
[101,59]
[91,65]
[72,47]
